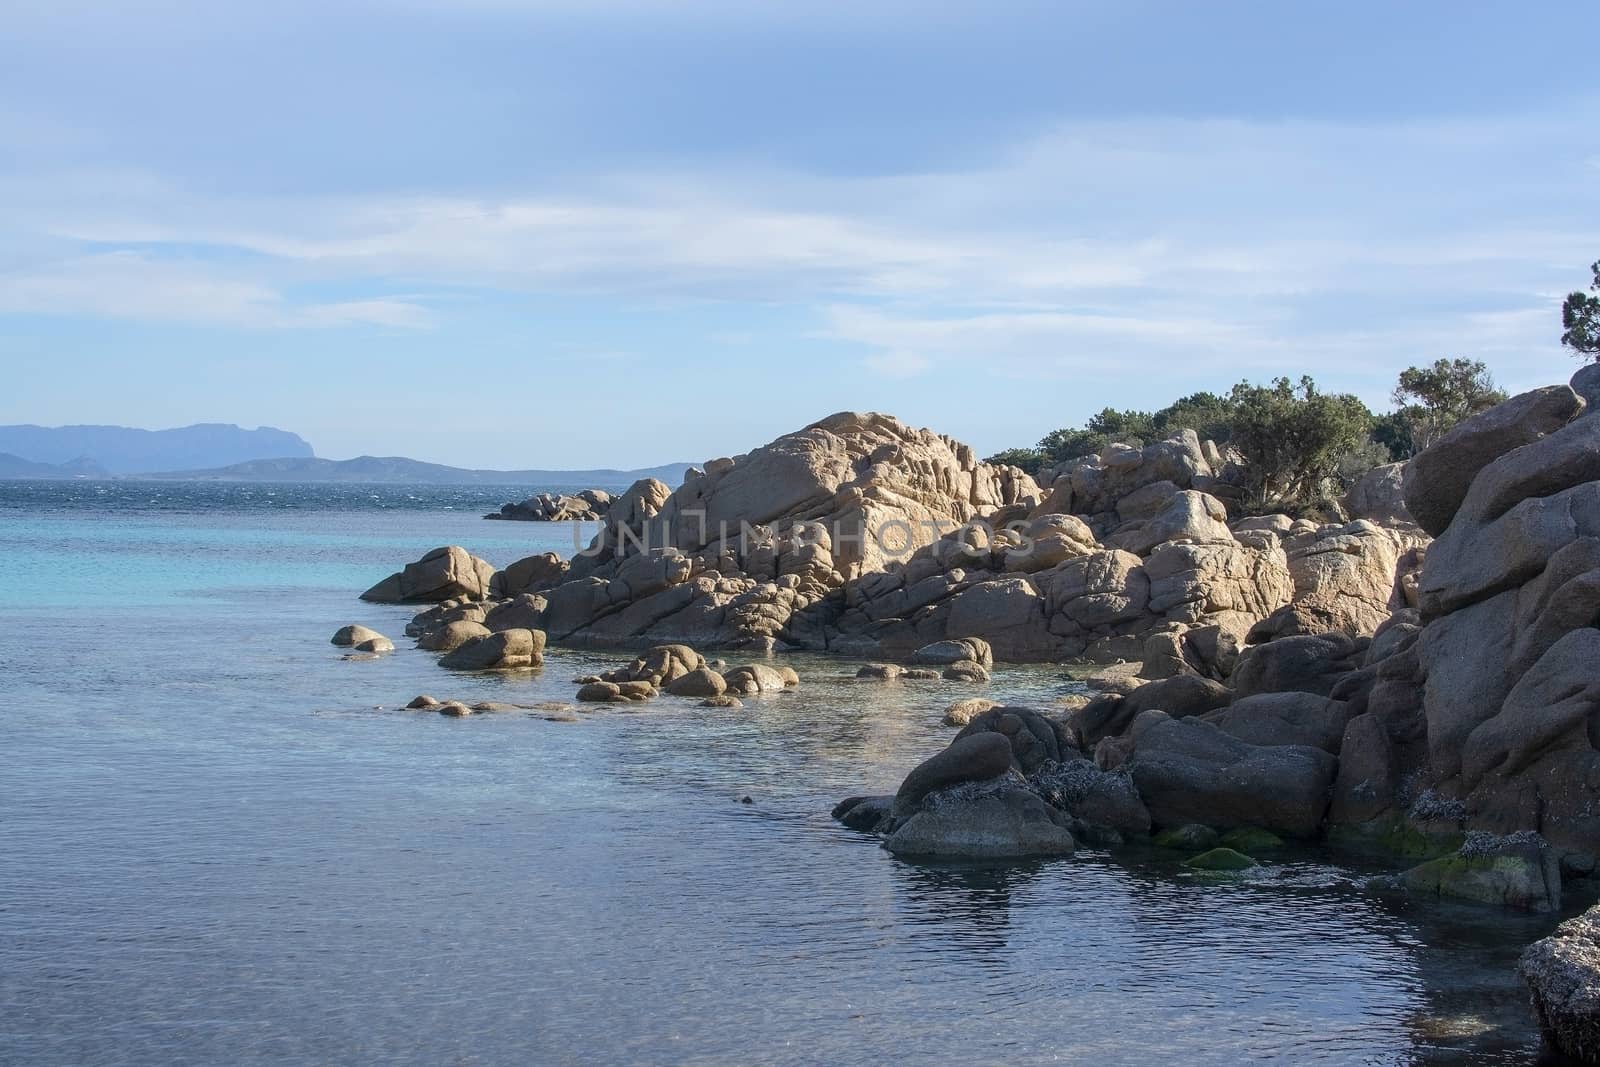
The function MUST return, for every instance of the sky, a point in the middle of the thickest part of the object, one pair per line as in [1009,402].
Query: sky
[585,233]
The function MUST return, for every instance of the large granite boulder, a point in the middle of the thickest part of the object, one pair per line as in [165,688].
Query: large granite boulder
[971,758]
[1302,664]
[447,573]
[1034,739]
[1437,479]
[1189,771]
[1285,719]
[529,575]
[354,634]
[878,488]
[452,635]
[506,650]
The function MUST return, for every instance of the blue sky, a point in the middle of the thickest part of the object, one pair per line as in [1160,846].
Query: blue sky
[572,233]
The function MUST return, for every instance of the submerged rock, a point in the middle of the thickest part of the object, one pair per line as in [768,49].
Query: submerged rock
[1519,871]
[1220,859]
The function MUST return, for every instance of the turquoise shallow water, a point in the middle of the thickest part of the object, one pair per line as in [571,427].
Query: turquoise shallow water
[221,842]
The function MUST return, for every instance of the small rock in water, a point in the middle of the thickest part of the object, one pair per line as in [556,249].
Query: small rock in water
[747,800]
[963,712]
[723,701]
[354,634]
[376,644]
[455,709]
[880,672]
[423,701]
[966,671]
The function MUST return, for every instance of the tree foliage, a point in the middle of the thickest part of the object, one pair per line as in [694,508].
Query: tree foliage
[1580,319]
[1293,437]
[1430,400]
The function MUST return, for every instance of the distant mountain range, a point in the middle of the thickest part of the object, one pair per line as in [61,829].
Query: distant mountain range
[395,470]
[17,467]
[123,450]
[221,452]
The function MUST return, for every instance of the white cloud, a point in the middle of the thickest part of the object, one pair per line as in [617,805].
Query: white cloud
[126,285]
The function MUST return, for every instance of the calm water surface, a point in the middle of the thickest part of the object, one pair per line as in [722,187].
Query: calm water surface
[220,842]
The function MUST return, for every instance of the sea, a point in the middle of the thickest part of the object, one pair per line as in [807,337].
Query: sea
[222,842]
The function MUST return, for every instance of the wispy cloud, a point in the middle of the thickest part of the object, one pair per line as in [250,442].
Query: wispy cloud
[126,285]
[1152,239]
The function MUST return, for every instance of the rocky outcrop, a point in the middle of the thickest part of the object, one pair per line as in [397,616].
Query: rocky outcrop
[861,536]
[447,573]
[1125,484]
[591,505]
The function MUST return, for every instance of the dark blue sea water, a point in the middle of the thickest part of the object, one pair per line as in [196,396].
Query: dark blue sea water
[220,842]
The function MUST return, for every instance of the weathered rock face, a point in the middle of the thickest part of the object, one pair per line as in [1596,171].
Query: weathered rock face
[447,573]
[1344,579]
[1189,516]
[1379,496]
[1562,973]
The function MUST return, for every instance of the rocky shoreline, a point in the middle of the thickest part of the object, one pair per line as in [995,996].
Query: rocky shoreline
[1416,675]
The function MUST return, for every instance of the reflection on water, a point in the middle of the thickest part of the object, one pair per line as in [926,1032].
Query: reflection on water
[219,847]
